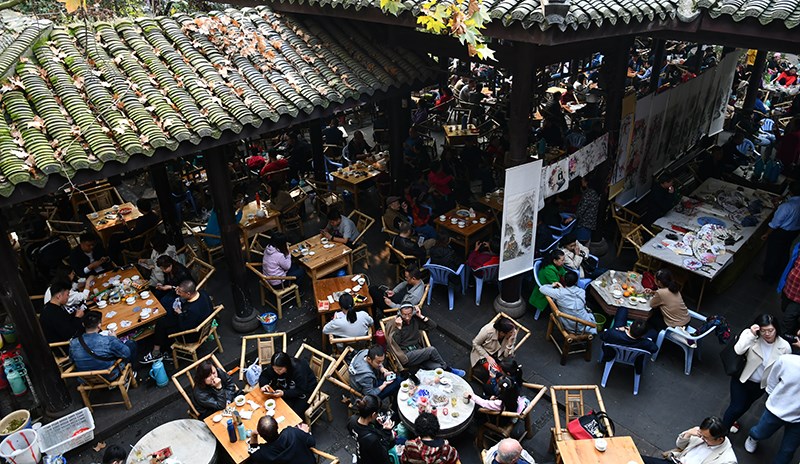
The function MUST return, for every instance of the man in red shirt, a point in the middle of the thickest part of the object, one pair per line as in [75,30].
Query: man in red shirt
[273,164]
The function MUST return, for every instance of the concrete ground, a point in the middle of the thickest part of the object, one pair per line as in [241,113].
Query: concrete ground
[668,401]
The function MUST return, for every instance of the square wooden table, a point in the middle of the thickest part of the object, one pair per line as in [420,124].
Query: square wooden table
[621,450]
[473,230]
[238,451]
[324,260]
[256,225]
[105,228]
[494,200]
[455,135]
[325,287]
[126,312]
[353,177]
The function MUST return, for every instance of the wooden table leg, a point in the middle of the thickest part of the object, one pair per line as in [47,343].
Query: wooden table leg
[349,263]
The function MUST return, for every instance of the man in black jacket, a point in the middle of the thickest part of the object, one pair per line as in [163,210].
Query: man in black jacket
[57,324]
[89,257]
[291,446]
[189,308]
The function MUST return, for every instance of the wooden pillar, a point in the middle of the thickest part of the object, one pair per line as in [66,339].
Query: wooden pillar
[158,174]
[658,58]
[44,373]
[509,300]
[219,181]
[616,69]
[315,132]
[398,113]
[754,84]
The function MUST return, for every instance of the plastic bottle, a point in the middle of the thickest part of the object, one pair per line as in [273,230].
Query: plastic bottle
[231,431]
[242,432]
[258,201]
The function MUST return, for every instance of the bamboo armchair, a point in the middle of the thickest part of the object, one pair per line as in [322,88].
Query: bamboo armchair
[318,401]
[402,260]
[339,375]
[61,355]
[135,248]
[89,381]
[386,230]
[187,371]
[290,219]
[282,295]
[201,270]
[360,250]
[257,245]
[324,456]
[570,342]
[366,340]
[499,424]
[69,230]
[638,237]
[198,232]
[574,406]
[418,306]
[266,346]
[626,222]
[184,348]
[394,354]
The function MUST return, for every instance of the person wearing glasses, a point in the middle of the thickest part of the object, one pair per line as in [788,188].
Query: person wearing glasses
[703,444]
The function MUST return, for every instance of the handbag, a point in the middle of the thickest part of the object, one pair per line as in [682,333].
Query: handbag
[590,426]
[589,265]
[732,362]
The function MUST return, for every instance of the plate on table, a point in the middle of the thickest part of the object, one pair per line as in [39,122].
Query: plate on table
[711,220]
[111,216]
[149,302]
[463,213]
[125,211]
[692,264]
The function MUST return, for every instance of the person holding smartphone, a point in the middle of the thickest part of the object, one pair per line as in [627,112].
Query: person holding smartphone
[290,379]
[703,444]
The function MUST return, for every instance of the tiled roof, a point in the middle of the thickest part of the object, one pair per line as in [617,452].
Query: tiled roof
[75,97]
[587,13]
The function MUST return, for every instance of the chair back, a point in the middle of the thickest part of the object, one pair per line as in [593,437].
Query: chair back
[339,373]
[488,273]
[575,406]
[363,222]
[441,274]
[626,354]
[318,361]
[94,378]
[258,243]
[60,352]
[358,341]
[537,264]
[521,329]
[639,236]
[556,316]
[266,346]
[385,229]
[188,371]
[201,270]
[330,167]
[69,230]
[457,115]
[203,330]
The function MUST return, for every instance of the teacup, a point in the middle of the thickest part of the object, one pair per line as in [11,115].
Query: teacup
[251,216]
[114,300]
[270,404]
[616,294]
[102,304]
[442,218]
[112,326]
[239,400]
[146,312]
[135,278]
[362,281]
[482,220]
[304,252]
[357,288]
[439,371]
[323,240]
[130,300]
[94,215]
[115,208]
[261,213]
[453,220]
[600,444]
[145,294]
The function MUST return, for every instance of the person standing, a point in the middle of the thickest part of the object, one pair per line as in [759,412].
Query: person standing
[783,388]
[761,345]
[789,288]
[783,229]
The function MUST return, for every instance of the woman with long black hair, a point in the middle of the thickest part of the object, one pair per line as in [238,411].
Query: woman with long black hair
[374,436]
[290,379]
[348,322]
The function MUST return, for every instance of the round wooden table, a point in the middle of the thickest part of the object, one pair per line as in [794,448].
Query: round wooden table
[450,426]
[190,440]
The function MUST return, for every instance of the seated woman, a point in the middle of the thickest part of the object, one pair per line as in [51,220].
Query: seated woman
[161,246]
[358,148]
[484,254]
[508,398]
[551,270]
[494,342]
[443,254]
[278,261]
[173,274]
[577,258]
[213,389]
[348,322]
[667,301]
[290,379]
[374,436]
[427,448]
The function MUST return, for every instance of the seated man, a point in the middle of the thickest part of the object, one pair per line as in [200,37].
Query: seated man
[706,443]
[332,135]
[340,228]
[633,336]
[369,377]
[570,299]
[508,451]
[92,351]
[395,213]
[405,243]
[407,292]
[291,446]
[59,324]
[405,334]
[189,308]
[89,257]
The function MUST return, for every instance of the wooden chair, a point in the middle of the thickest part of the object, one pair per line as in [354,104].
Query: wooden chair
[135,248]
[326,197]
[187,371]
[266,346]
[89,381]
[257,245]
[386,230]
[570,342]
[323,456]
[521,329]
[318,401]
[97,197]
[282,295]
[363,223]
[291,223]
[340,374]
[574,406]
[499,424]
[397,358]
[69,230]
[419,306]
[359,342]
[201,270]
[401,259]
[638,237]
[61,355]
[197,232]
[626,222]
[183,348]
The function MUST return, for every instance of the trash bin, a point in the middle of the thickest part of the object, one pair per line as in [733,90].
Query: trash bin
[21,447]
[269,321]
[600,319]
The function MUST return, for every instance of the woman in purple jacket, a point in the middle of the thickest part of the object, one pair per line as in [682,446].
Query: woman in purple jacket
[278,261]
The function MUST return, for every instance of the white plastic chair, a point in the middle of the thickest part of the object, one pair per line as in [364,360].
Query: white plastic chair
[441,275]
[683,338]
[488,274]
[624,355]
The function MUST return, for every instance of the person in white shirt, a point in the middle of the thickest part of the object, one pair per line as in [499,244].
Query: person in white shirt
[348,323]
[161,246]
[704,444]
[79,292]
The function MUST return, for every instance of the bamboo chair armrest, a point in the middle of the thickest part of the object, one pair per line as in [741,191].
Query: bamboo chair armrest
[343,386]
[577,319]
[280,277]
[324,455]
[75,374]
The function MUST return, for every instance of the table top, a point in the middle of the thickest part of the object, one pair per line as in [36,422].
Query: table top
[238,450]
[189,439]
[325,287]
[100,222]
[356,173]
[473,224]
[605,285]
[408,406]
[620,450]
[455,130]
[122,311]
[321,254]
[251,208]
[656,248]
[493,200]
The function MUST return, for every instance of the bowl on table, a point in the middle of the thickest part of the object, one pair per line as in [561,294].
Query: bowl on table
[102,304]
[112,326]
[130,300]
[270,404]
[145,294]
[239,400]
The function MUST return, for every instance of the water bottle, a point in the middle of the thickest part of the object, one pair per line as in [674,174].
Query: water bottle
[231,431]
[464,121]
[242,432]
